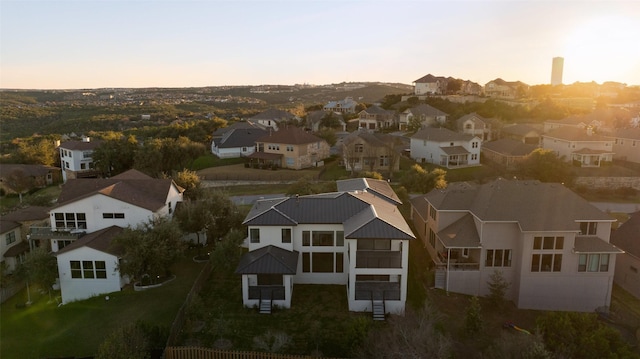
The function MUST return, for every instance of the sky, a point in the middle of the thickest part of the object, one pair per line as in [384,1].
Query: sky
[76,44]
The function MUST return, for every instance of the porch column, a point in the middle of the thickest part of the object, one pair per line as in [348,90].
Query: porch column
[245,289]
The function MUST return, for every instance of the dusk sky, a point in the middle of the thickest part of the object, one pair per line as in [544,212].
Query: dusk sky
[145,43]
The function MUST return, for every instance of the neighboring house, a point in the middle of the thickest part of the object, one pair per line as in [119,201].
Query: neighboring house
[14,229]
[364,151]
[626,144]
[273,118]
[506,152]
[88,205]
[375,118]
[476,125]
[240,125]
[627,238]
[430,85]
[580,146]
[548,243]
[237,142]
[76,160]
[38,176]
[348,106]
[315,118]
[528,134]
[445,148]
[354,237]
[581,122]
[600,120]
[470,88]
[290,148]
[90,266]
[427,115]
[500,88]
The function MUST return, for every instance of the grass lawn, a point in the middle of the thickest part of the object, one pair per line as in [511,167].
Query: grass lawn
[77,329]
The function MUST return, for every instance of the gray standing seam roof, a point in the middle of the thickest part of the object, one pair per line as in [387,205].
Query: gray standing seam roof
[268,260]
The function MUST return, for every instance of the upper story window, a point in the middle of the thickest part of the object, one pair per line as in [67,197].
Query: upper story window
[254,235]
[432,212]
[10,237]
[359,148]
[547,254]
[70,220]
[474,144]
[286,235]
[588,228]
[498,258]
[86,154]
[289,148]
[112,215]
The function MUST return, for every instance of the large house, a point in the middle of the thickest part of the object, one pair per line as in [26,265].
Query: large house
[14,230]
[427,115]
[375,118]
[290,148]
[430,85]
[76,159]
[445,148]
[476,125]
[548,243]
[354,237]
[348,106]
[237,141]
[579,145]
[626,144]
[627,238]
[364,151]
[500,88]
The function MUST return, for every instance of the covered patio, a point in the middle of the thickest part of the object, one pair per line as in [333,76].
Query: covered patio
[264,160]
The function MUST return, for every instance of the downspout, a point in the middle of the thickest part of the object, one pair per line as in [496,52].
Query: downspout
[448,259]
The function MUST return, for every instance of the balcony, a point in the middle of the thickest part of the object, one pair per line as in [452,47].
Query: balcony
[49,233]
[457,262]
[374,290]
[378,259]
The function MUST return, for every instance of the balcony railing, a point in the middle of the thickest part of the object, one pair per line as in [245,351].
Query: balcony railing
[378,259]
[49,233]
[274,292]
[373,290]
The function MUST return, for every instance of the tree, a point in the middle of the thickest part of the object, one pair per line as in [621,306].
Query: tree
[498,287]
[415,123]
[127,342]
[417,179]
[190,181]
[330,120]
[226,255]
[224,214]
[328,134]
[545,166]
[473,316]
[39,267]
[42,151]
[19,181]
[115,155]
[150,249]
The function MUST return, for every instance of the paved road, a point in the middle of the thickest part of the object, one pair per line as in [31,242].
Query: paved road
[617,207]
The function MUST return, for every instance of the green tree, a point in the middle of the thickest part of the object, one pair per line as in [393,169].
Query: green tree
[498,287]
[115,155]
[330,120]
[150,249]
[38,151]
[19,181]
[473,316]
[328,134]
[545,166]
[39,267]
[226,255]
[190,181]
[419,180]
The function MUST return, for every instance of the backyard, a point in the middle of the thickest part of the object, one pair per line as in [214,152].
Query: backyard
[45,329]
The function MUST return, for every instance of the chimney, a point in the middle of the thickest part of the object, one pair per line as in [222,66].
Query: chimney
[589,130]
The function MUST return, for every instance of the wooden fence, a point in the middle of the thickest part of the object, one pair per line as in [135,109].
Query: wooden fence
[178,322]
[207,353]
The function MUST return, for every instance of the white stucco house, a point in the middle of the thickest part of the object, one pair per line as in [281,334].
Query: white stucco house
[446,148]
[89,266]
[76,158]
[355,237]
[550,244]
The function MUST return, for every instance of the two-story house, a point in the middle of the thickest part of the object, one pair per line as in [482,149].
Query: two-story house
[446,148]
[547,242]
[354,237]
[76,158]
[626,144]
[348,106]
[364,151]
[476,125]
[579,145]
[290,148]
[500,88]
[427,115]
[375,118]
[430,85]
[14,230]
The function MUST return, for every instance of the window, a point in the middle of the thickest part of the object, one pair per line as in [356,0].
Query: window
[63,243]
[290,161]
[548,243]
[546,262]
[86,154]
[359,148]
[70,220]
[10,237]
[286,235]
[306,238]
[322,262]
[384,161]
[588,228]
[83,166]
[87,269]
[289,148]
[465,252]
[112,215]
[340,239]
[432,212]
[322,238]
[593,263]
[432,238]
[474,156]
[498,258]
[76,271]
[254,235]
[474,144]
[306,262]
[374,244]
[101,270]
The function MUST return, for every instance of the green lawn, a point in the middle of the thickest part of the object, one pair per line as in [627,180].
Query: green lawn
[77,329]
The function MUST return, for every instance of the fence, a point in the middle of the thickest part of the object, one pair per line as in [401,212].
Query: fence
[10,291]
[178,322]
[206,353]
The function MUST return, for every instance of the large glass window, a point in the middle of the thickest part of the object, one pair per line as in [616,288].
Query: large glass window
[593,263]
[322,238]
[588,228]
[88,269]
[498,258]
[374,244]
[547,262]
[76,270]
[322,262]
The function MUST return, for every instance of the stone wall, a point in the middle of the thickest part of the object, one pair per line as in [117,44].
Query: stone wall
[608,182]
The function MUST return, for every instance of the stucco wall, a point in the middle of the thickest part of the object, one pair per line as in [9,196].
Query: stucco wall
[80,288]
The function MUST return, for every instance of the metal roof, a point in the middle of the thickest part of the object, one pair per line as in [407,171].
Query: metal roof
[268,260]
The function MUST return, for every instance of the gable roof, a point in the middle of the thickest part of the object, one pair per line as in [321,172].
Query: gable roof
[425,110]
[627,133]
[268,260]
[289,136]
[429,79]
[380,188]
[31,213]
[240,138]
[534,205]
[627,236]
[440,134]
[131,186]
[377,110]
[567,133]
[6,226]
[99,240]
[509,147]
[475,118]
[240,125]
[521,129]
[460,234]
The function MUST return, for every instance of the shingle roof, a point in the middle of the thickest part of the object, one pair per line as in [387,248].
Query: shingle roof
[440,134]
[454,150]
[289,136]
[129,187]
[17,249]
[240,138]
[31,213]
[377,110]
[460,234]
[535,206]
[29,170]
[80,145]
[475,118]
[99,240]
[429,79]
[6,226]
[268,260]
[241,125]
[627,133]
[521,129]
[589,244]
[509,147]
[574,134]
[627,236]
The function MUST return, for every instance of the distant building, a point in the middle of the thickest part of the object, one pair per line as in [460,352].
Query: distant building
[556,70]
[76,159]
